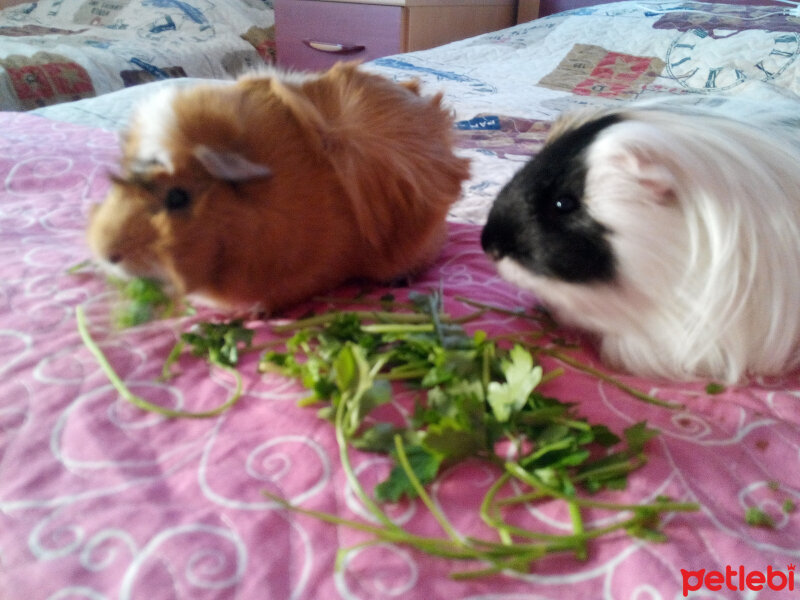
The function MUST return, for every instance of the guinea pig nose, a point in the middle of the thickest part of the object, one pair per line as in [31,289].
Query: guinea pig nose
[114,258]
[494,253]
[491,242]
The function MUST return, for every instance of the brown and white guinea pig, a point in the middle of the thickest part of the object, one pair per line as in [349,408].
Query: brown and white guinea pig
[670,231]
[261,193]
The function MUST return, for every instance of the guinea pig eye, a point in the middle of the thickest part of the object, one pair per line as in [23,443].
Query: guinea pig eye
[177,199]
[565,204]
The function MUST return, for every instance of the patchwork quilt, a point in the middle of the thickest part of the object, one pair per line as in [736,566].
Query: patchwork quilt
[63,50]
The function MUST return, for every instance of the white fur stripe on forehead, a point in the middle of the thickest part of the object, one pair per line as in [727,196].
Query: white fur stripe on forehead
[150,126]
[287,76]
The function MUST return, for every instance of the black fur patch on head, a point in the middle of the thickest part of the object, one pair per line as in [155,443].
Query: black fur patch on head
[539,218]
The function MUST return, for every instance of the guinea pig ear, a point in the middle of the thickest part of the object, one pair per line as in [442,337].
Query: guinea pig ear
[651,173]
[229,166]
[413,85]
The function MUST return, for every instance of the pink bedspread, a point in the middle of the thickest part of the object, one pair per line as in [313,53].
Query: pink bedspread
[101,500]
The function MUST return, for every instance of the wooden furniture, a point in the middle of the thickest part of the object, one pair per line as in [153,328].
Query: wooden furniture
[527,10]
[314,34]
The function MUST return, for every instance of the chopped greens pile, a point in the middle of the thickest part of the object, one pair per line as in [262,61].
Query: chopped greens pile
[473,397]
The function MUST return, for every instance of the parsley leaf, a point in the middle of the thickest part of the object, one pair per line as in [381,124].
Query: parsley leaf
[219,342]
[425,466]
[142,300]
[521,377]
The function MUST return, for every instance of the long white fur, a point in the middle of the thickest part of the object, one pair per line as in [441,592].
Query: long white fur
[704,212]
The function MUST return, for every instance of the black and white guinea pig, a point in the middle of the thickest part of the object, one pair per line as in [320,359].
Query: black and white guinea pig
[671,231]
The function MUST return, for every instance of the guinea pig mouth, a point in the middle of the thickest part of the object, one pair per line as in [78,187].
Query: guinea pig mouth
[514,272]
[122,270]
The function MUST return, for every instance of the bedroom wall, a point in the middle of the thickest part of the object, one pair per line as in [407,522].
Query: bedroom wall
[548,7]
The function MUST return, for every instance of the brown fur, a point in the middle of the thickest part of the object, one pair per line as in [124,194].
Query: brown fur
[363,174]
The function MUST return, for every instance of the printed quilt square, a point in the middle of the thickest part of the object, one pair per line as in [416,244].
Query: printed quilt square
[589,70]
[45,78]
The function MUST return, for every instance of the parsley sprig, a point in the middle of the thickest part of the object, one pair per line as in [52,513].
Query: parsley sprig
[473,396]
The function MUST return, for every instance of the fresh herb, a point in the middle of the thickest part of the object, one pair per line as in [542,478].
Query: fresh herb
[473,396]
[712,389]
[521,377]
[142,300]
[789,506]
[756,517]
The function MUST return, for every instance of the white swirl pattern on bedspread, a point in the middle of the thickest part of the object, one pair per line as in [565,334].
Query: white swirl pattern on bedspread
[98,499]
[101,500]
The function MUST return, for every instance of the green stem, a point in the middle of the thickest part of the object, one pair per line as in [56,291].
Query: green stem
[364,315]
[551,374]
[172,358]
[76,268]
[536,483]
[415,370]
[505,530]
[499,310]
[486,366]
[489,516]
[344,457]
[125,392]
[393,534]
[608,471]
[469,317]
[398,328]
[523,498]
[423,495]
[578,529]
[588,369]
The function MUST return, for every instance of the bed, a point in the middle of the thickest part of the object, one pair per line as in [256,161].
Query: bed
[99,499]
[65,50]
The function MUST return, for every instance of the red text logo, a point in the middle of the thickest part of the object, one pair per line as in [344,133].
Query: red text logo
[738,579]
